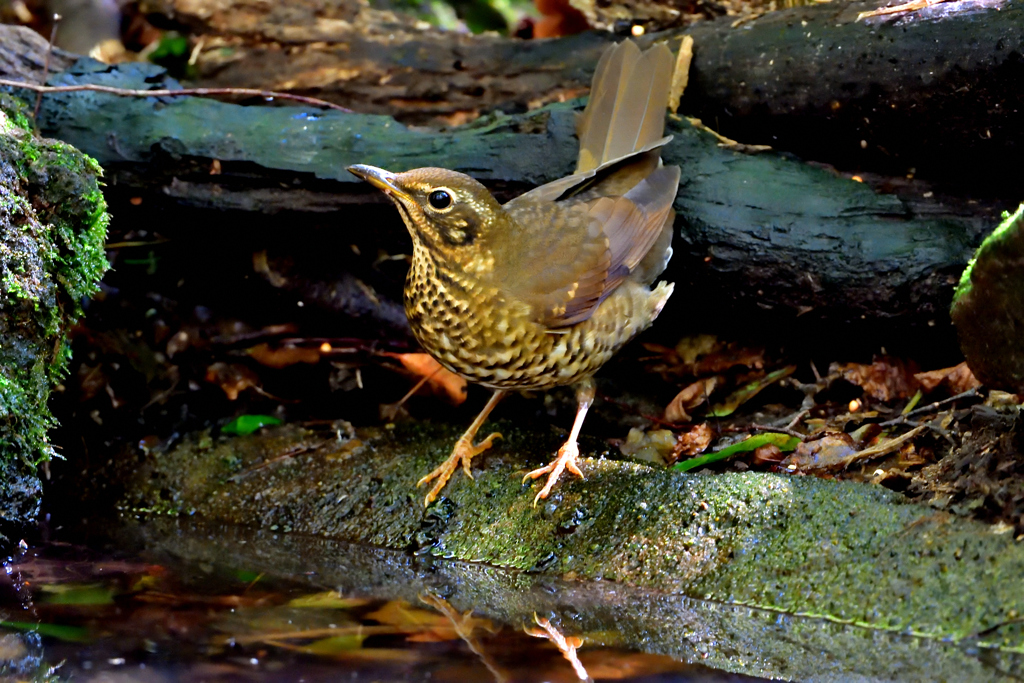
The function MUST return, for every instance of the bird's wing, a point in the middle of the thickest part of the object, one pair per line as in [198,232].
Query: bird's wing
[578,252]
[557,260]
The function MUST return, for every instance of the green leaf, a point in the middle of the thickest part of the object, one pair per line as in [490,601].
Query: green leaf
[335,644]
[70,634]
[327,600]
[243,425]
[79,594]
[744,394]
[785,442]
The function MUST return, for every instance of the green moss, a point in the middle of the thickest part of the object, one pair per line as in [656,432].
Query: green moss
[53,224]
[997,236]
[845,553]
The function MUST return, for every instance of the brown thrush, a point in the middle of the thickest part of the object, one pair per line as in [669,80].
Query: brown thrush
[541,291]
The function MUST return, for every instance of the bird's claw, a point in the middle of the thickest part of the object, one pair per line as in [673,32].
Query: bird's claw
[565,460]
[463,452]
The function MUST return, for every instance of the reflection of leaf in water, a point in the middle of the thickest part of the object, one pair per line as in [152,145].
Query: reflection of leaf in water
[350,647]
[70,634]
[423,626]
[614,664]
[335,644]
[78,594]
[327,600]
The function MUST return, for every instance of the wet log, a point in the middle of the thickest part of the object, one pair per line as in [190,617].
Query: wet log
[894,94]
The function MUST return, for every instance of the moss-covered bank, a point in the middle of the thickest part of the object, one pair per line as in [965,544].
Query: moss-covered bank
[53,223]
[841,553]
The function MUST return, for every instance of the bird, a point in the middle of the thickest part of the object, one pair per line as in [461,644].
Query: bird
[542,291]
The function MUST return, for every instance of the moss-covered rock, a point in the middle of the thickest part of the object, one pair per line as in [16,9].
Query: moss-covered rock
[988,308]
[842,553]
[53,223]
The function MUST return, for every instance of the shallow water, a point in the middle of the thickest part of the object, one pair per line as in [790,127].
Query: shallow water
[176,606]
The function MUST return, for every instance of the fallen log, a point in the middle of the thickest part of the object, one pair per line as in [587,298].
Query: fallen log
[893,94]
[762,238]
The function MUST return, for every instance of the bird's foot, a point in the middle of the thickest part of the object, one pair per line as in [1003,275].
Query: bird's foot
[463,452]
[565,460]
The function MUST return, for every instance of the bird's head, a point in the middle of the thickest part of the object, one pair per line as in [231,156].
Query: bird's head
[448,212]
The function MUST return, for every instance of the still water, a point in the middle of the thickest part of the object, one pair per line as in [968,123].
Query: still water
[178,602]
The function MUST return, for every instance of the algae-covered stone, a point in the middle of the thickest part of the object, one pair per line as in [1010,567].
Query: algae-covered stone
[53,224]
[840,552]
[988,308]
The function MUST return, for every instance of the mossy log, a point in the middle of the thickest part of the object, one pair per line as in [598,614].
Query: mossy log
[52,228]
[762,238]
[887,94]
[798,572]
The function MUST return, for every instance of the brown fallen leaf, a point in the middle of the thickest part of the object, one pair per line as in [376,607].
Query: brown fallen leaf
[689,398]
[956,379]
[828,452]
[654,446]
[283,356]
[422,626]
[767,454]
[692,442]
[440,379]
[233,379]
[559,18]
[885,379]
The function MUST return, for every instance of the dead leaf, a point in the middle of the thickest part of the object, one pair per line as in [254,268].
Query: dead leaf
[327,600]
[689,398]
[560,18]
[692,442]
[654,446]
[767,454]
[440,379]
[283,356]
[828,452]
[233,379]
[681,73]
[422,626]
[885,379]
[956,379]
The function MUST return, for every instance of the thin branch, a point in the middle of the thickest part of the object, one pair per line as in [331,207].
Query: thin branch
[753,427]
[970,393]
[46,71]
[201,92]
[884,448]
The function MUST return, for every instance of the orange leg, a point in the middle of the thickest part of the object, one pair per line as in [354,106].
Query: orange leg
[464,451]
[567,454]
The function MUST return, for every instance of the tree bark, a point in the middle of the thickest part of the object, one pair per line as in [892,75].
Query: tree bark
[895,94]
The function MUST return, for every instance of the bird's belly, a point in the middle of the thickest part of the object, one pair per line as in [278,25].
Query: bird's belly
[494,342]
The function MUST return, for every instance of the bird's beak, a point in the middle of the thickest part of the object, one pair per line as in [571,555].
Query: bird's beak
[381,179]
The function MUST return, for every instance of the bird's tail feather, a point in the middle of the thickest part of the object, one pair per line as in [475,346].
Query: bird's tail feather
[626,110]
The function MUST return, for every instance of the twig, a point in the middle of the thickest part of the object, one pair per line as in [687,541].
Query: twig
[970,393]
[46,71]
[800,416]
[935,428]
[788,431]
[882,448]
[201,92]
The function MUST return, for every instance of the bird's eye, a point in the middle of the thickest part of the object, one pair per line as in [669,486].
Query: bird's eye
[440,200]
